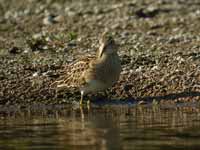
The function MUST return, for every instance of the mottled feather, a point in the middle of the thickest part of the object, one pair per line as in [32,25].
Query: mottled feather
[92,74]
[73,74]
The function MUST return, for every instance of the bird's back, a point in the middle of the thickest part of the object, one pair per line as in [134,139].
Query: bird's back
[73,74]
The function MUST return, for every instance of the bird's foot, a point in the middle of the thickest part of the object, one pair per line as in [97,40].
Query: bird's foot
[81,103]
[88,104]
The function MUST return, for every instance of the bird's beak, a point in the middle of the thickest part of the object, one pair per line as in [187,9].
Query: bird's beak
[101,50]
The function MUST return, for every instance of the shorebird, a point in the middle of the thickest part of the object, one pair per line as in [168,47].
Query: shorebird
[92,74]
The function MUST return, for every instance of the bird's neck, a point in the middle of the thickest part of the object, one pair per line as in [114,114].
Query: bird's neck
[107,56]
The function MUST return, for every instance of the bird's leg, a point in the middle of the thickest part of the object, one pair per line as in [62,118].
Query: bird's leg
[82,114]
[88,104]
[81,101]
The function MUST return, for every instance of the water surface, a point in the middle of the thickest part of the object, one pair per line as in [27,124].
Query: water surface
[100,127]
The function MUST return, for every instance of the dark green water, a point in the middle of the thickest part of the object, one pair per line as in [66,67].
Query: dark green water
[100,127]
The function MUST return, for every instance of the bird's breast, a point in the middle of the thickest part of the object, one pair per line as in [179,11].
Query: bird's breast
[111,70]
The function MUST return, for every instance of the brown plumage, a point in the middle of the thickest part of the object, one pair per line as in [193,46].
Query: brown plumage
[92,74]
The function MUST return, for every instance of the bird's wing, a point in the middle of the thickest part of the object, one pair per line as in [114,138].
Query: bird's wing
[73,75]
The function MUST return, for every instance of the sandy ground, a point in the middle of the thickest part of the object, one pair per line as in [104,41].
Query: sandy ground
[159,48]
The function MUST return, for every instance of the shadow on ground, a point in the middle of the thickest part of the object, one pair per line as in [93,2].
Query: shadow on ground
[148,99]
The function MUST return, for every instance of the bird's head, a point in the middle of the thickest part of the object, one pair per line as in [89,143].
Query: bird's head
[107,45]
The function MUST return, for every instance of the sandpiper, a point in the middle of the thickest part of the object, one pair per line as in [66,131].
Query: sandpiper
[92,74]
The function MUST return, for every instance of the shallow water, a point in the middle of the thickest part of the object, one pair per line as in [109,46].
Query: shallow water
[100,127]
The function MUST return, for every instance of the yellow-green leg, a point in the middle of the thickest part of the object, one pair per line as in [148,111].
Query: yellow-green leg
[81,101]
[82,113]
[88,104]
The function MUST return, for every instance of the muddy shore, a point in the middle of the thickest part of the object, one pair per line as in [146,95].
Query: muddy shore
[159,48]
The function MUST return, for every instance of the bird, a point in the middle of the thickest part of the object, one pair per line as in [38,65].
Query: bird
[92,74]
